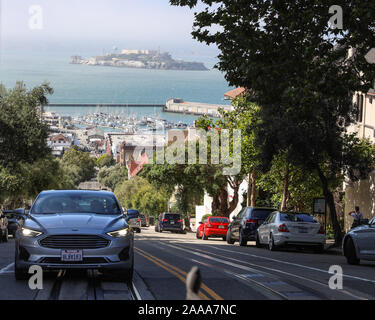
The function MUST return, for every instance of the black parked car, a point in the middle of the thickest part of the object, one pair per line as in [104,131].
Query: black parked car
[3,228]
[170,222]
[13,223]
[244,226]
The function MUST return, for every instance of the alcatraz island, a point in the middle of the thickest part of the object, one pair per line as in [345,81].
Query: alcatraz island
[142,59]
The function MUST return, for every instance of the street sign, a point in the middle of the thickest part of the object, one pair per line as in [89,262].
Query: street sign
[319,206]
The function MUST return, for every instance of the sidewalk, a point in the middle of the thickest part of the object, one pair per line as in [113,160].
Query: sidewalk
[330,249]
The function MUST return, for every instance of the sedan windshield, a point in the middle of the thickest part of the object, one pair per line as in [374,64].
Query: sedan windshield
[76,203]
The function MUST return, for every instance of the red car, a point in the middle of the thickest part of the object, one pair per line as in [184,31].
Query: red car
[213,227]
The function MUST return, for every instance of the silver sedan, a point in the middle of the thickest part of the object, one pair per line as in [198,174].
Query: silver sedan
[75,230]
[291,229]
[359,243]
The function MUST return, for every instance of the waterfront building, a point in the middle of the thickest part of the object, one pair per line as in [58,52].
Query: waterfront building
[178,105]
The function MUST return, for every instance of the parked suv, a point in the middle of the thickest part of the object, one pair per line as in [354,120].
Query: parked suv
[170,222]
[143,220]
[244,226]
[134,220]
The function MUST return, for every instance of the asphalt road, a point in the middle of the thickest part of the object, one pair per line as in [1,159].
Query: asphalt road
[229,272]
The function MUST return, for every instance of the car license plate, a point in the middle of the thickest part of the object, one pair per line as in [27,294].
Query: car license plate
[71,255]
[221,227]
[172,222]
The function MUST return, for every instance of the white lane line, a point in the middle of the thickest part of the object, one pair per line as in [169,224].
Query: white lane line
[357,296]
[294,264]
[270,269]
[270,293]
[138,296]
[203,255]
[6,269]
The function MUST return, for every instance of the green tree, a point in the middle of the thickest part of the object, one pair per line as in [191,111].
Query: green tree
[79,164]
[22,134]
[139,194]
[180,180]
[294,192]
[245,117]
[112,176]
[105,161]
[23,146]
[298,71]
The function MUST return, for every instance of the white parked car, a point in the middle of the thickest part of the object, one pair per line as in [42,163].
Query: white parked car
[359,243]
[291,229]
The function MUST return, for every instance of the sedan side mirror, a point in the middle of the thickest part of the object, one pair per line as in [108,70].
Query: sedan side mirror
[131,216]
[18,212]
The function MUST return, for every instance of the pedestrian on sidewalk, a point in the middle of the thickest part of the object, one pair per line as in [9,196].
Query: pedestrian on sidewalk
[357,216]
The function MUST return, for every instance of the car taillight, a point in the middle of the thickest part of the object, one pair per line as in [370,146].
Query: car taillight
[251,221]
[209,225]
[165,220]
[283,228]
[179,220]
[139,220]
[321,230]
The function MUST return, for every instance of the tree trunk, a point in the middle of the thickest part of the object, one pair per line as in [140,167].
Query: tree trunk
[223,206]
[249,191]
[332,208]
[215,203]
[187,222]
[253,188]
[286,188]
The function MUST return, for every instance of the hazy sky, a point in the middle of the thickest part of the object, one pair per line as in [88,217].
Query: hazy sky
[91,24]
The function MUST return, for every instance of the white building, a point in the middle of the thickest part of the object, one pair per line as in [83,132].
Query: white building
[60,143]
[362,193]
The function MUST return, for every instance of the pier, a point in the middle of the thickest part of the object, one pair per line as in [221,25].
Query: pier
[100,105]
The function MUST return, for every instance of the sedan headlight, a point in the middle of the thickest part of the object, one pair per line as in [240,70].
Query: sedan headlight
[31,233]
[119,233]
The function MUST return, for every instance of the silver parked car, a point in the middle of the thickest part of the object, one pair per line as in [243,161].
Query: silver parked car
[359,243]
[291,229]
[75,230]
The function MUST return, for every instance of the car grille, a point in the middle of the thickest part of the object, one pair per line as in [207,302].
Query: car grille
[74,242]
[85,261]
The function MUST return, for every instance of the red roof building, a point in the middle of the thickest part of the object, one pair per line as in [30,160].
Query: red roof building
[59,139]
[234,93]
